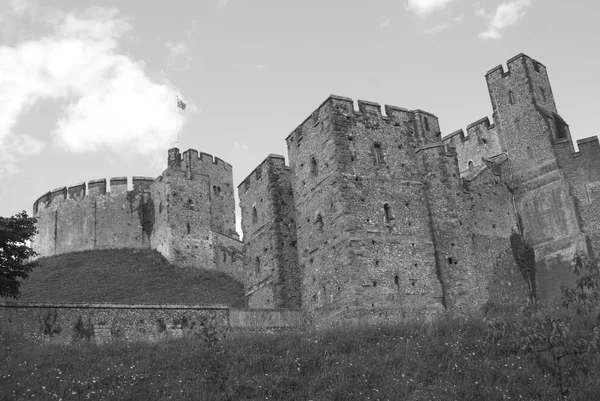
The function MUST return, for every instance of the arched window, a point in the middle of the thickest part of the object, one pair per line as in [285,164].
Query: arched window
[470,165]
[254,215]
[319,221]
[511,97]
[426,123]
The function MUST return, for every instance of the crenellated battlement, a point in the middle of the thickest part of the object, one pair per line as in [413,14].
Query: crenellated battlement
[376,214]
[197,159]
[589,145]
[94,188]
[481,125]
[259,172]
[480,141]
[340,105]
[511,64]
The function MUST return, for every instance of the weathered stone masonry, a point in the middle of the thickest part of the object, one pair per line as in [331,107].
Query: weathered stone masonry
[187,214]
[392,219]
[376,215]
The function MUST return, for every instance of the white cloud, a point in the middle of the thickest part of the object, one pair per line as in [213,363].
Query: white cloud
[221,4]
[437,29]
[505,15]
[111,101]
[426,7]
[180,55]
[385,23]
[260,66]
[16,147]
[459,18]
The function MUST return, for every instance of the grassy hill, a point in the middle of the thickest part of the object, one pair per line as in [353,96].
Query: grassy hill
[448,361]
[127,276]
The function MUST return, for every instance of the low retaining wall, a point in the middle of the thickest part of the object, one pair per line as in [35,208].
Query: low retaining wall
[264,319]
[71,323]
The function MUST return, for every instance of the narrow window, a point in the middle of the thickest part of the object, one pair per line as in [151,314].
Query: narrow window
[214,189]
[218,191]
[378,152]
[543,94]
[470,165]
[397,281]
[529,153]
[319,221]
[254,215]
[224,256]
[257,265]
[189,229]
[511,97]
[426,122]
[314,168]
[387,214]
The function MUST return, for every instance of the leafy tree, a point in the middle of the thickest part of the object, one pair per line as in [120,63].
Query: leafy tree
[564,342]
[15,231]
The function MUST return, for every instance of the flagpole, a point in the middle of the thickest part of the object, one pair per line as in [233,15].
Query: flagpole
[176,120]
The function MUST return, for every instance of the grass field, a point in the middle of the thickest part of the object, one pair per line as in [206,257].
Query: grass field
[127,276]
[447,361]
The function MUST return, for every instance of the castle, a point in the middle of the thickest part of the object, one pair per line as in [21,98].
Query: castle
[376,214]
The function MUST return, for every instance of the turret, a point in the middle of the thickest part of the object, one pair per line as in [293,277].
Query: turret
[525,112]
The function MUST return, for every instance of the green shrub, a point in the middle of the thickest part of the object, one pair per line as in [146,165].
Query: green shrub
[564,342]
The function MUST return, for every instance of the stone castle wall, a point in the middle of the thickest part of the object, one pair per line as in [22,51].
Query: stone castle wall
[101,323]
[481,141]
[187,214]
[268,222]
[529,123]
[94,216]
[364,239]
[376,215]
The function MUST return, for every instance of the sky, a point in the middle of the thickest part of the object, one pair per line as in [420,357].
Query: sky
[88,88]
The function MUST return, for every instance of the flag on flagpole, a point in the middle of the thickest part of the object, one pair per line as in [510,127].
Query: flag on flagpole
[180,104]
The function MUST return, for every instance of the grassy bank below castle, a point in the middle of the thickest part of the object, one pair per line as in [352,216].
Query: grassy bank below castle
[127,276]
[447,361]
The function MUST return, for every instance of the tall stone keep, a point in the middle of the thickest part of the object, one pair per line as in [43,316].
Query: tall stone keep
[269,225]
[194,206]
[364,240]
[187,214]
[530,127]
